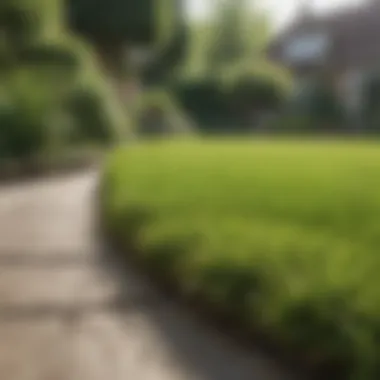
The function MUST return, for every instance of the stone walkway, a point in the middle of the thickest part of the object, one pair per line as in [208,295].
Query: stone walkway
[63,316]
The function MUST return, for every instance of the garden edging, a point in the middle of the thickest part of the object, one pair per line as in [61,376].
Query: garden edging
[226,323]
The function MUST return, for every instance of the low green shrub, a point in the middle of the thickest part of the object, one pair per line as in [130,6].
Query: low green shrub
[290,123]
[21,135]
[49,54]
[95,94]
[206,102]
[256,93]
[156,113]
[235,100]
[20,23]
[318,103]
[51,92]
[371,102]
[91,119]
[284,235]
[168,59]
[253,97]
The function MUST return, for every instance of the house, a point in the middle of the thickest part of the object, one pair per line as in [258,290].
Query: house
[341,47]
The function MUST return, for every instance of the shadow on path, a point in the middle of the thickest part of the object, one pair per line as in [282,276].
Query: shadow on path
[52,260]
[205,352]
[191,350]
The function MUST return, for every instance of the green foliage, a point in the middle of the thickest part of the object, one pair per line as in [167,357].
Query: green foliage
[199,35]
[22,134]
[92,119]
[205,39]
[256,93]
[228,46]
[225,79]
[118,26]
[167,59]
[319,103]
[282,234]
[113,20]
[371,102]
[19,23]
[258,89]
[120,21]
[205,100]
[157,114]
[238,35]
[93,104]
[230,101]
[49,54]
[39,70]
[260,68]
[291,122]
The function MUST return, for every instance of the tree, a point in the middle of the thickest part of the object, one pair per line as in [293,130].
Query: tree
[25,105]
[115,26]
[41,67]
[227,45]
[238,35]
[170,56]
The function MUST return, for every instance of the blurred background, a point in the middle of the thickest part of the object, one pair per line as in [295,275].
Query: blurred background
[235,153]
[199,66]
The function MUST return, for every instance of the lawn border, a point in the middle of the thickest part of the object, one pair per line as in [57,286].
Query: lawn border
[200,308]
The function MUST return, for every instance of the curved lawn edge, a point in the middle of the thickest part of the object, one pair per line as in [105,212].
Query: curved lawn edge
[210,227]
[200,307]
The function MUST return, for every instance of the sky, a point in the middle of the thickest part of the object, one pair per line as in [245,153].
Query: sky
[280,11]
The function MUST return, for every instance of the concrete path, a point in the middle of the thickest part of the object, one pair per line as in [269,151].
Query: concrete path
[64,317]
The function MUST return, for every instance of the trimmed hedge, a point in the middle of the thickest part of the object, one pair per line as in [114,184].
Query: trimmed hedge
[206,102]
[41,68]
[91,118]
[21,135]
[320,106]
[157,114]
[234,101]
[371,103]
[145,22]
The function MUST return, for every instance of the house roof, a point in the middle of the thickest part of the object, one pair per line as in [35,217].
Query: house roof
[353,33]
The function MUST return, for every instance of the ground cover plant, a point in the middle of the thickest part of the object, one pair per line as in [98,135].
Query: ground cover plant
[285,234]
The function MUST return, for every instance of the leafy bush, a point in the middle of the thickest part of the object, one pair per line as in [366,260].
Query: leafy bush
[49,54]
[28,107]
[20,23]
[158,114]
[138,22]
[167,59]
[21,134]
[91,115]
[256,93]
[45,80]
[255,97]
[230,100]
[319,103]
[290,123]
[205,100]
[371,102]
[257,90]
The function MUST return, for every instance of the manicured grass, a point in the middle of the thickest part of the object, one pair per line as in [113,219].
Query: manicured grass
[284,233]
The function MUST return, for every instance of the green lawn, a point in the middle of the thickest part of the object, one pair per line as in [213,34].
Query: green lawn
[285,233]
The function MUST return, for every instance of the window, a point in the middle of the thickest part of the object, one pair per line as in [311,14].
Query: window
[307,48]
